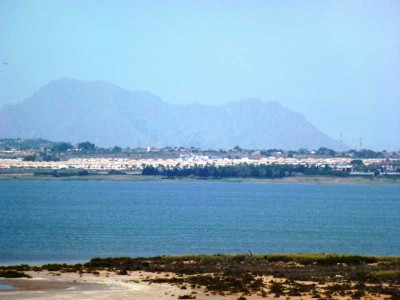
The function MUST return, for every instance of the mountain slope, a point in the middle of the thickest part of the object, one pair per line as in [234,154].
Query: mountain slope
[107,115]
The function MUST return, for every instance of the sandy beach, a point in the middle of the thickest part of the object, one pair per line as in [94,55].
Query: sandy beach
[136,285]
[55,285]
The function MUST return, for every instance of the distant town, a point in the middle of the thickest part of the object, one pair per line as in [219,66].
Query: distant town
[39,157]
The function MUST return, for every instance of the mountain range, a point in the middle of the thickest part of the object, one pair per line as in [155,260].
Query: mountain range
[100,112]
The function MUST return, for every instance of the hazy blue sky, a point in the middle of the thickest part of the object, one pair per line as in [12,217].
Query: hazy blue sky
[337,62]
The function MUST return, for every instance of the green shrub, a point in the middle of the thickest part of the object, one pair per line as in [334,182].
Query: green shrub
[385,275]
[187,297]
[276,288]
[13,274]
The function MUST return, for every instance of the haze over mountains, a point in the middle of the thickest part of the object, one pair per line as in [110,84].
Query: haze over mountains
[76,111]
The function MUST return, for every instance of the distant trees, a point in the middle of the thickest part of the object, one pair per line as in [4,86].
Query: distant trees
[62,147]
[325,152]
[359,166]
[148,170]
[30,157]
[357,163]
[63,173]
[25,144]
[83,173]
[115,172]
[87,146]
[47,157]
[271,152]
[243,171]
[116,149]
[365,153]
[302,151]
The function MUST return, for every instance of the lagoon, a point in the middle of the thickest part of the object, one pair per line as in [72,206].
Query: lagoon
[72,221]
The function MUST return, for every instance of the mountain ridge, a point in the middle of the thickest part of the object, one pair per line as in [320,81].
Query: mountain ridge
[74,111]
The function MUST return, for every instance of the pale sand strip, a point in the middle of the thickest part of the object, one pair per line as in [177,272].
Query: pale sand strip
[72,286]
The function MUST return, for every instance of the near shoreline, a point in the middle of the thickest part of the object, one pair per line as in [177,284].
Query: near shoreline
[240,276]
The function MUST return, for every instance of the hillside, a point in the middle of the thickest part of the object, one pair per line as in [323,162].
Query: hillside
[75,111]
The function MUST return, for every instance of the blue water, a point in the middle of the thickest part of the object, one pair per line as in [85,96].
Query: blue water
[6,286]
[67,221]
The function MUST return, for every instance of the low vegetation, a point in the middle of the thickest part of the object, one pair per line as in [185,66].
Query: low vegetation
[13,274]
[244,171]
[289,275]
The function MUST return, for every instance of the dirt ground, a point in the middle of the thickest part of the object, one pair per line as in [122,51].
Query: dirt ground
[137,285]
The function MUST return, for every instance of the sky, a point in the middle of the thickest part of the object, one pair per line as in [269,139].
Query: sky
[336,62]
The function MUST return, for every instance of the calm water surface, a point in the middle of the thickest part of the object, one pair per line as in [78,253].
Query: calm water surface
[6,287]
[67,221]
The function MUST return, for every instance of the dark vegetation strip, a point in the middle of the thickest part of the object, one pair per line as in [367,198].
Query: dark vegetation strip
[248,171]
[12,273]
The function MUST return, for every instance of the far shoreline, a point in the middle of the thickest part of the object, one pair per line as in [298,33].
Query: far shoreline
[141,178]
